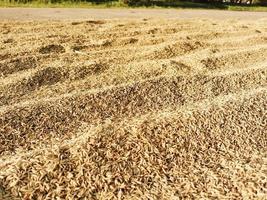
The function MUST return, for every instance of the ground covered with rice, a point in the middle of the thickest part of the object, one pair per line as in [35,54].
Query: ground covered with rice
[133,109]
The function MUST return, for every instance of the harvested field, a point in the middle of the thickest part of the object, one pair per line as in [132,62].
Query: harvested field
[133,109]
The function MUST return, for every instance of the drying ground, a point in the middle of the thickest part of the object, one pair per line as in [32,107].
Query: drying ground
[133,109]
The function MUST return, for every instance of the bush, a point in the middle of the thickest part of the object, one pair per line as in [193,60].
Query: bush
[263,2]
[167,2]
[137,2]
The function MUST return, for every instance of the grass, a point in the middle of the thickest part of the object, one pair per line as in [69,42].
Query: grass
[119,4]
[248,8]
[66,4]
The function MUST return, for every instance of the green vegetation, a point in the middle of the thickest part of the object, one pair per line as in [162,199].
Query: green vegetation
[235,5]
[61,4]
[248,8]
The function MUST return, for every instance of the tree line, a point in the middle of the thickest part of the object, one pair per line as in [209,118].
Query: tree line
[152,2]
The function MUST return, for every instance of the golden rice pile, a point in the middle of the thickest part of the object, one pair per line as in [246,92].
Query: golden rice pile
[133,109]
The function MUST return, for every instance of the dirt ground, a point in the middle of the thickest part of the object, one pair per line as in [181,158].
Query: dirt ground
[78,14]
[133,108]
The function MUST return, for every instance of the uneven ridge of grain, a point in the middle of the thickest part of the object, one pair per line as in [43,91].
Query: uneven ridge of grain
[133,109]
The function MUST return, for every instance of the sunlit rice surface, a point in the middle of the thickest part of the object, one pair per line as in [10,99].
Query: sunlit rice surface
[133,109]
